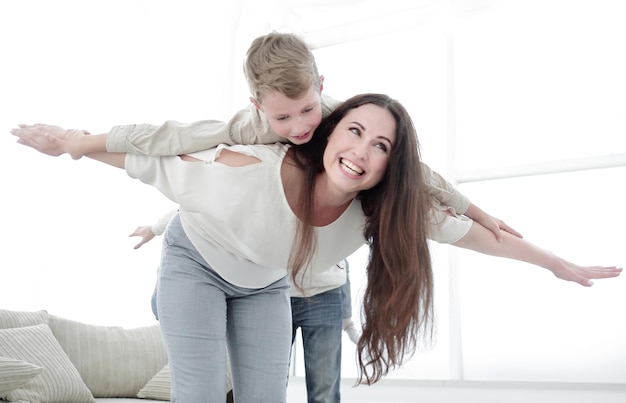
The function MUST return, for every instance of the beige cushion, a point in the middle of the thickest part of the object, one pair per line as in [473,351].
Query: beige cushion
[58,382]
[157,388]
[113,361]
[16,373]
[10,319]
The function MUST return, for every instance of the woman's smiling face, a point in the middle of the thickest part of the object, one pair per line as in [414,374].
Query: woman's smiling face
[358,149]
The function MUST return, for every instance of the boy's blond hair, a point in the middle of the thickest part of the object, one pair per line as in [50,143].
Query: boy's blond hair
[280,62]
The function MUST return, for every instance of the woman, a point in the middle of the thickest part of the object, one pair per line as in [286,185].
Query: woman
[321,182]
[301,209]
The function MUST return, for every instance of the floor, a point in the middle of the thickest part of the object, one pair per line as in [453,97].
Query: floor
[403,391]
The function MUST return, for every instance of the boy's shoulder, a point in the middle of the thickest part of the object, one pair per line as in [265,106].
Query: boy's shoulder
[328,104]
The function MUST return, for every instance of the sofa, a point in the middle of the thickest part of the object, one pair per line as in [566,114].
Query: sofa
[47,358]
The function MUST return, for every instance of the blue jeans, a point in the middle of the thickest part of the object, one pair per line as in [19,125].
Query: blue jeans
[319,317]
[153,304]
[201,314]
[346,293]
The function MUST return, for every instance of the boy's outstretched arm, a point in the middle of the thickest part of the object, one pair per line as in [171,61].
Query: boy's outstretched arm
[480,239]
[447,196]
[55,141]
[171,138]
[247,126]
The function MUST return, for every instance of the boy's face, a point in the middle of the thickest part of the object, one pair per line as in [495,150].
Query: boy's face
[293,119]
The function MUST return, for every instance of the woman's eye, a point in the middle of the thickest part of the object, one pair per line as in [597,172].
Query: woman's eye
[382,146]
[355,130]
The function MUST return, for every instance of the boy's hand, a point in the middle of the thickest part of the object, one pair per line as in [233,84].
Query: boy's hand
[50,140]
[146,234]
[496,226]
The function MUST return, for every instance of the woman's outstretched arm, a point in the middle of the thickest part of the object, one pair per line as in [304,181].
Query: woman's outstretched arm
[481,240]
[117,160]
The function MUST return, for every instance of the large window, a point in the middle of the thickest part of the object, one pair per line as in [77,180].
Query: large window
[522,104]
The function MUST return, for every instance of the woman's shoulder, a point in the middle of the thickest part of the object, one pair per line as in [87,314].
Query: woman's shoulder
[263,152]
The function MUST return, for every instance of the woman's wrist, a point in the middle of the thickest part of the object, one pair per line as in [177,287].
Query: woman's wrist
[550,261]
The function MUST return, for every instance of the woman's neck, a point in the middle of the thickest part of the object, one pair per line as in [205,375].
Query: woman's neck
[327,214]
[328,203]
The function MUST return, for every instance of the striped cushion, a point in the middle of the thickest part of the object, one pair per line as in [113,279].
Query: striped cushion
[10,319]
[59,382]
[113,361]
[15,373]
[158,388]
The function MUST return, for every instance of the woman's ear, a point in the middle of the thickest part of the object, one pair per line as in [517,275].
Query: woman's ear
[255,103]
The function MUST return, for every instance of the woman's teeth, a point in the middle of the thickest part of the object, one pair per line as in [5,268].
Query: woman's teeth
[350,167]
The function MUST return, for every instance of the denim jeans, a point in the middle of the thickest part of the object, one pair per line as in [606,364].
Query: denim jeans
[319,317]
[153,304]
[201,314]
[346,294]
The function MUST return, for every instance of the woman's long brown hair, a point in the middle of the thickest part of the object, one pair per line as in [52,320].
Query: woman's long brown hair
[397,307]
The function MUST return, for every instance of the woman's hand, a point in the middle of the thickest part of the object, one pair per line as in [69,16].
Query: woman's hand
[582,275]
[480,239]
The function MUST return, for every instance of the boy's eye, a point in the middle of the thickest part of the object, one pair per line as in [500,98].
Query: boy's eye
[307,110]
[280,118]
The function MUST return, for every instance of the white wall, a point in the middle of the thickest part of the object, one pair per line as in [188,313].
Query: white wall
[91,65]
[94,64]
